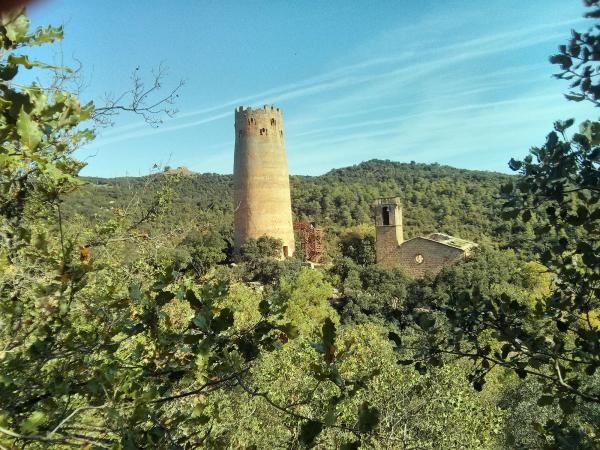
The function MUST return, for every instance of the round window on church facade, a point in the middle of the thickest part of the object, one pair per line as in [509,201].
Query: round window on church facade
[419,259]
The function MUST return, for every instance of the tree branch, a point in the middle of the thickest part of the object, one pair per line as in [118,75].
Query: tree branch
[138,100]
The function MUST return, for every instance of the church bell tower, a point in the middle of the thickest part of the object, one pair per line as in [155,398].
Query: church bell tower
[388,228]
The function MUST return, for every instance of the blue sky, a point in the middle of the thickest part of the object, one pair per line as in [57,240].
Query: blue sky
[460,82]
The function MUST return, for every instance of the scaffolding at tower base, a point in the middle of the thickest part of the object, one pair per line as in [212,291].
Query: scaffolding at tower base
[312,240]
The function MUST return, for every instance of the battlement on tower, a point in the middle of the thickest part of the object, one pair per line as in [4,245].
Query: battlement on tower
[266,121]
[265,109]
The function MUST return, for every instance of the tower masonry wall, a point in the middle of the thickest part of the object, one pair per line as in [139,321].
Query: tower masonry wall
[387,242]
[389,230]
[260,178]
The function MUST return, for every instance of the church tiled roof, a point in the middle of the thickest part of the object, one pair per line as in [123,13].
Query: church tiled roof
[451,241]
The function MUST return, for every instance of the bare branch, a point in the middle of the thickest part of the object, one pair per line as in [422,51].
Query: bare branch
[141,99]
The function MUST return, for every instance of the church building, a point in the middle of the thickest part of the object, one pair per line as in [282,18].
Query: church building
[417,256]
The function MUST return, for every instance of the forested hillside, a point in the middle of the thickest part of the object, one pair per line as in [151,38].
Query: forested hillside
[435,198]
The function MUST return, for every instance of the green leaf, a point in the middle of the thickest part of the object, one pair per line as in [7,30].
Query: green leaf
[8,72]
[574,50]
[508,214]
[425,321]
[264,307]
[128,442]
[28,130]
[436,361]
[539,428]
[552,138]
[290,330]
[575,97]
[562,326]
[564,61]
[560,126]
[190,296]
[328,333]
[521,373]
[33,422]
[395,338]
[223,321]
[331,414]
[135,329]
[17,28]
[514,164]
[309,431]
[420,367]
[248,348]
[45,35]
[368,418]
[203,419]
[201,321]
[164,297]
[567,404]
[135,292]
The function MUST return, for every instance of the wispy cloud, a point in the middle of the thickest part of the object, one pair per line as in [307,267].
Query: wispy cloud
[149,132]
[419,99]
[353,74]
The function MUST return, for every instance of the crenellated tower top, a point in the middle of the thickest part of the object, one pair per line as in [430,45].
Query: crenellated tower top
[266,122]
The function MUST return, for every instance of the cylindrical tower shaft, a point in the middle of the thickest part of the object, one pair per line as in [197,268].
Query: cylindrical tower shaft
[261,185]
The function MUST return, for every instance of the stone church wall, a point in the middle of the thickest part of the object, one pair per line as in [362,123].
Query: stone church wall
[420,256]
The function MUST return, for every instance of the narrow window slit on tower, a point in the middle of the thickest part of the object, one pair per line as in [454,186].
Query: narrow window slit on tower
[286,251]
[385,213]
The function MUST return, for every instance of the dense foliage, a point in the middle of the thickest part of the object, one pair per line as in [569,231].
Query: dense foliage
[435,198]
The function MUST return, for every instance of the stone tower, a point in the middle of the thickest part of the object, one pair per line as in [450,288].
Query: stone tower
[261,184]
[388,226]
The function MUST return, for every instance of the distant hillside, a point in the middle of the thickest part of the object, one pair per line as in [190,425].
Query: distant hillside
[182,170]
[435,198]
